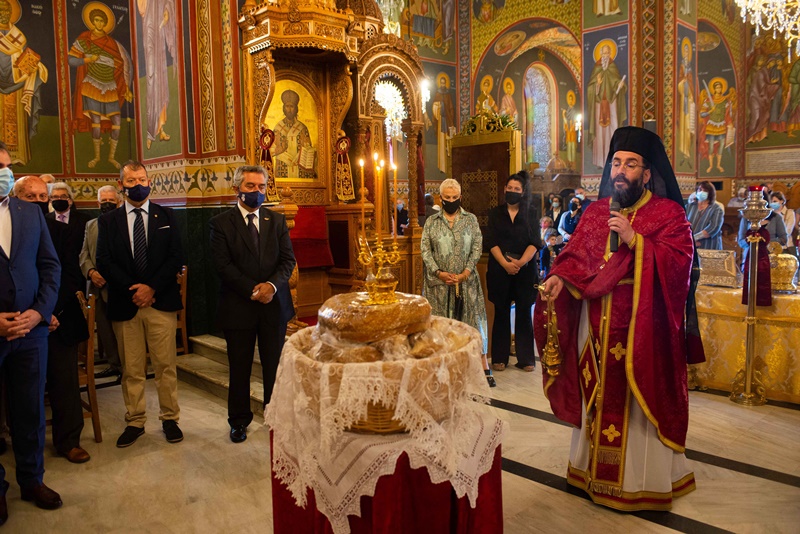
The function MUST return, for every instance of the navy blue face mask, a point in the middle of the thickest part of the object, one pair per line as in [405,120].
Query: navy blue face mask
[253,199]
[138,192]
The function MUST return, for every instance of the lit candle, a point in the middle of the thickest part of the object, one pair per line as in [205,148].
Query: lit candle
[384,185]
[378,201]
[363,186]
[396,211]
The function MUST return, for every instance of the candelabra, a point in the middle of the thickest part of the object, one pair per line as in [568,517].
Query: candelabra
[749,379]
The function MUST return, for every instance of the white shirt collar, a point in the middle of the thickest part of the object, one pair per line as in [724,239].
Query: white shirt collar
[244,211]
[144,207]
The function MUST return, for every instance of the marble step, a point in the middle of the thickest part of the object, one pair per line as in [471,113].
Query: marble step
[215,348]
[212,376]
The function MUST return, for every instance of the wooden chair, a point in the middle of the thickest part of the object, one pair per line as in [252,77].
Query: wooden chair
[86,367]
[184,346]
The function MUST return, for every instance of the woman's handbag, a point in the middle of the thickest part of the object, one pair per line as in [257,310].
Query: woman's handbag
[458,303]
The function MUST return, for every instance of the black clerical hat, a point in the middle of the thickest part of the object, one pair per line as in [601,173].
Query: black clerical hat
[648,145]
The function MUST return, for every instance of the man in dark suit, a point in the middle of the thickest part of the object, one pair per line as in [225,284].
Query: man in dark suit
[29,275]
[253,257]
[139,253]
[66,227]
[107,199]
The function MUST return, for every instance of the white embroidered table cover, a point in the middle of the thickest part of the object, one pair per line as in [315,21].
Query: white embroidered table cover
[314,403]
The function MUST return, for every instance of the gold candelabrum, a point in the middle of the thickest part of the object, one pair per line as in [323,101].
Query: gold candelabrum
[380,283]
[551,354]
[747,388]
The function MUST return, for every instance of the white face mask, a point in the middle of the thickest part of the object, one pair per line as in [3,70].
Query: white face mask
[6,181]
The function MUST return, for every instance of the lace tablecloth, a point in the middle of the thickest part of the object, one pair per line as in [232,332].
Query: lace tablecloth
[353,473]
[314,403]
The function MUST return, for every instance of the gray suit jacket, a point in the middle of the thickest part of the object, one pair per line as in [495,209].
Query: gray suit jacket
[87,258]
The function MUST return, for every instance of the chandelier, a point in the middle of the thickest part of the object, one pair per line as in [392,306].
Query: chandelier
[388,95]
[782,17]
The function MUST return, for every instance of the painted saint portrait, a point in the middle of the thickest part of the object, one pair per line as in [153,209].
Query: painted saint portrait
[717,126]
[158,20]
[509,42]
[486,10]
[507,105]
[103,81]
[686,107]
[292,115]
[444,117]
[606,101]
[485,100]
[21,77]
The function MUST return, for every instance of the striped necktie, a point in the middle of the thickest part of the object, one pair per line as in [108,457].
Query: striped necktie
[139,242]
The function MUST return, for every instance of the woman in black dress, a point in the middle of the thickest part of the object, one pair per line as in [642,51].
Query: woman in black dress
[512,274]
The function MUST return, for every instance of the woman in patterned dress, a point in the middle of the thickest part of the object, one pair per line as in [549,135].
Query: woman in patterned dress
[451,247]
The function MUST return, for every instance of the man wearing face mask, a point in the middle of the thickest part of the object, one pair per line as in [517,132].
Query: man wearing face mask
[569,221]
[139,254]
[402,217]
[253,257]
[580,193]
[108,200]
[67,226]
[556,211]
[29,278]
[33,189]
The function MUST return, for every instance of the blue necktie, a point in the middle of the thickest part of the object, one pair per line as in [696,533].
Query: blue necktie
[139,242]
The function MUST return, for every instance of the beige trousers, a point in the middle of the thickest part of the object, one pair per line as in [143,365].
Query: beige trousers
[153,329]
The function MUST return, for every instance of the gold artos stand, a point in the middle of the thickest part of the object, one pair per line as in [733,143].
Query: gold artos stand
[742,390]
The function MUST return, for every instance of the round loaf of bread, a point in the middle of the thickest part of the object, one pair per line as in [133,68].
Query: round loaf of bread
[349,317]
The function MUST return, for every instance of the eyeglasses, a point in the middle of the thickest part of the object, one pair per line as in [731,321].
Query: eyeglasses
[59,197]
[629,166]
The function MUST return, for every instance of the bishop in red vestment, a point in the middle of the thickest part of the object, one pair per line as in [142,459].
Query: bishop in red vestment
[623,333]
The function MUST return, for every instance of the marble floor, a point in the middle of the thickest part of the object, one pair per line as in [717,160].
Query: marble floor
[746,460]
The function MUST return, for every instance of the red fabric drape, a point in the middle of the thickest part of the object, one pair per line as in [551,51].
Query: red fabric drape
[763,276]
[310,238]
[404,502]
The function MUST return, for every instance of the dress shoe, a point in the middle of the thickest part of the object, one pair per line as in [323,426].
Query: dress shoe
[108,372]
[171,430]
[526,368]
[3,504]
[42,496]
[498,366]
[129,436]
[238,433]
[76,455]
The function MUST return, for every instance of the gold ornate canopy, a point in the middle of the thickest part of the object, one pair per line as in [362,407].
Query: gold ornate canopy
[327,52]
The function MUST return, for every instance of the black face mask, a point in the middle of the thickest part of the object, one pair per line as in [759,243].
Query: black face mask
[44,206]
[60,205]
[451,206]
[573,206]
[105,207]
[512,197]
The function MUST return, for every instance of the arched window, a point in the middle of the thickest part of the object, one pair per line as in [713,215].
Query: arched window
[540,126]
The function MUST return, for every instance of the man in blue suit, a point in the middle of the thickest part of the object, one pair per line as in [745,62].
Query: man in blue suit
[29,279]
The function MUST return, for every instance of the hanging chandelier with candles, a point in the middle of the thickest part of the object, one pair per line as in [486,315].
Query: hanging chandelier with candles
[781,17]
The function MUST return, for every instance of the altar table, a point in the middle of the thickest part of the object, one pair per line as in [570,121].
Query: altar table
[721,316]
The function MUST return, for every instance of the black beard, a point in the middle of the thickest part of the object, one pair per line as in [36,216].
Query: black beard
[630,195]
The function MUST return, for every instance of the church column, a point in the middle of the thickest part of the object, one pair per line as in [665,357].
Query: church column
[413,131]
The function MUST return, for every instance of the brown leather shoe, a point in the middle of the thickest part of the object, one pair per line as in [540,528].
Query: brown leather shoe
[42,496]
[76,455]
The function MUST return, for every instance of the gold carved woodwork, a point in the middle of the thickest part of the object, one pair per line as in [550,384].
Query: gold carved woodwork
[207,107]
